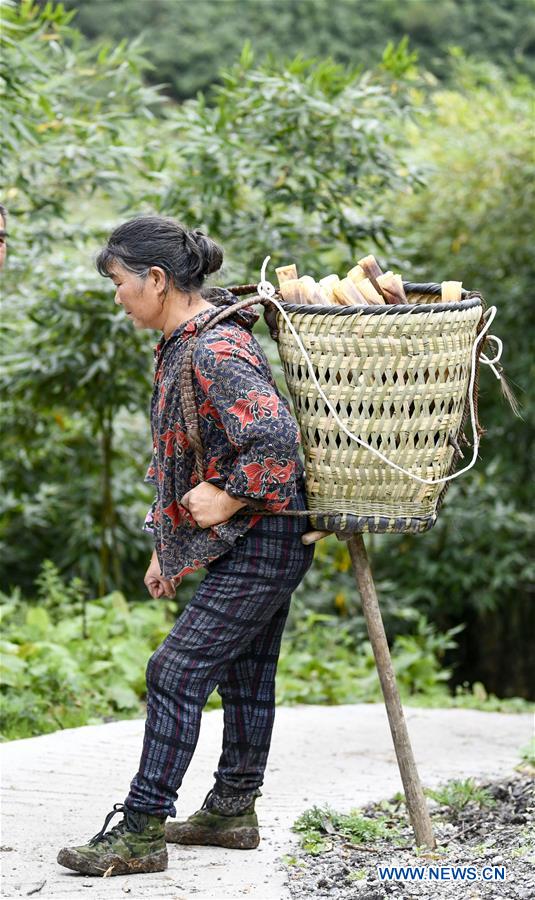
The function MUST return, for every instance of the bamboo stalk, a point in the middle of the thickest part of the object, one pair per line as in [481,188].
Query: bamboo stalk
[416,804]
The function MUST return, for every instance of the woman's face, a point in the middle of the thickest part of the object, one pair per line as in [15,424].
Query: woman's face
[141,298]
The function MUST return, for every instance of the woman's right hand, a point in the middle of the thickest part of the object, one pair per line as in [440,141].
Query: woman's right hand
[156,584]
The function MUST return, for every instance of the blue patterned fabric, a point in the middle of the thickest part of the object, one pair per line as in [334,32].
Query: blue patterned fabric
[250,437]
[228,636]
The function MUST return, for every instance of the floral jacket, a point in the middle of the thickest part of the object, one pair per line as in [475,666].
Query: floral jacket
[249,436]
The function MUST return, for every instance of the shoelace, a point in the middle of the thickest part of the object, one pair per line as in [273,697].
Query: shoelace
[206,804]
[132,822]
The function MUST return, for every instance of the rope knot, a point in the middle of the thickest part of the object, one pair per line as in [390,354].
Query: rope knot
[491,338]
[264,287]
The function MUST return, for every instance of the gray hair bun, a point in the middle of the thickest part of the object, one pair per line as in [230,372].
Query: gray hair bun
[207,257]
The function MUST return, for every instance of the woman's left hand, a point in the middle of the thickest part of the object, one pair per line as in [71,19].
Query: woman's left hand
[209,505]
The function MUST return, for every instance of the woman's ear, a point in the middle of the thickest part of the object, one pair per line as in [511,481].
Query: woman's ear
[159,279]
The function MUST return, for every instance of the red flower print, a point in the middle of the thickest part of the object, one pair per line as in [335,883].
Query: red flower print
[226,350]
[169,438]
[259,476]
[282,474]
[187,570]
[211,470]
[176,435]
[255,406]
[239,337]
[205,383]
[207,410]
[179,515]
[151,471]
[175,513]
[181,436]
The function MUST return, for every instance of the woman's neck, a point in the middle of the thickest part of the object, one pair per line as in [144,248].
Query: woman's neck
[179,310]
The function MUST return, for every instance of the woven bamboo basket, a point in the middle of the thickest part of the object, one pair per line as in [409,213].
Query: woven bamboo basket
[398,377]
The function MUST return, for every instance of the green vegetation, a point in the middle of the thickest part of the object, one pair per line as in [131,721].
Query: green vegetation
[528,752]
[473,218]
[458,802]
[69,659]
[457,794]
[315,826]
[74,378]
[255,174]
[329,662]
[188,44]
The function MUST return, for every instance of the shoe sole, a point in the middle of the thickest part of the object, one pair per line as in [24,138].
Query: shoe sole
[115,865]
[245,838]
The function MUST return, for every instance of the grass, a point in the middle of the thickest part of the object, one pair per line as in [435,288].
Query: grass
[456,795]
[318,825]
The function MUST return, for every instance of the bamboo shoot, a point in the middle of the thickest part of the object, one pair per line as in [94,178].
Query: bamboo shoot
[391,287]
[347,294]
[356,274]
[451,291]
[371,268]
[327,285]
[292,291]
[372,296]
[311,290]
[286,273]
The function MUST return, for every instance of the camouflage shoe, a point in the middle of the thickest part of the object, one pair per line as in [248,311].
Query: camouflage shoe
[135,845]
[219,823]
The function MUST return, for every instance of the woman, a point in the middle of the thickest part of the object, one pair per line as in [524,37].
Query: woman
[230,632]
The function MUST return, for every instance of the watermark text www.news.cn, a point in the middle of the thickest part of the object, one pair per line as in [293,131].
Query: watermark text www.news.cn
[442,873]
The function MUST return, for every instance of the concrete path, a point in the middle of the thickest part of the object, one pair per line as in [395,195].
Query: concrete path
[58,788]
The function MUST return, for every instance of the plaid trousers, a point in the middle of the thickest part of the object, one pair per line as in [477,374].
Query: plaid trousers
[229,637]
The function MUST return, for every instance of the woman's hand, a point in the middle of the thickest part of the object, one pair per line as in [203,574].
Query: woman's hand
[209,505]
[156,584]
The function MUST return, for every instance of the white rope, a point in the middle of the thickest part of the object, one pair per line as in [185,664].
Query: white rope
[267,291]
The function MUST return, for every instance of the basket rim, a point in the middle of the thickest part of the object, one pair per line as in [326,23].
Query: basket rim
[470,299]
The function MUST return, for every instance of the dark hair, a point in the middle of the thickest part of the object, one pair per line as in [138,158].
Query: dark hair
[3,213]
[185,256]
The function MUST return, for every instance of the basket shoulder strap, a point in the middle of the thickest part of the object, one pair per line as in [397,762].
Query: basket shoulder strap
[187,389]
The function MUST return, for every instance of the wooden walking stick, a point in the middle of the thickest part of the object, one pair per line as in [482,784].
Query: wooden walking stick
[418,812]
